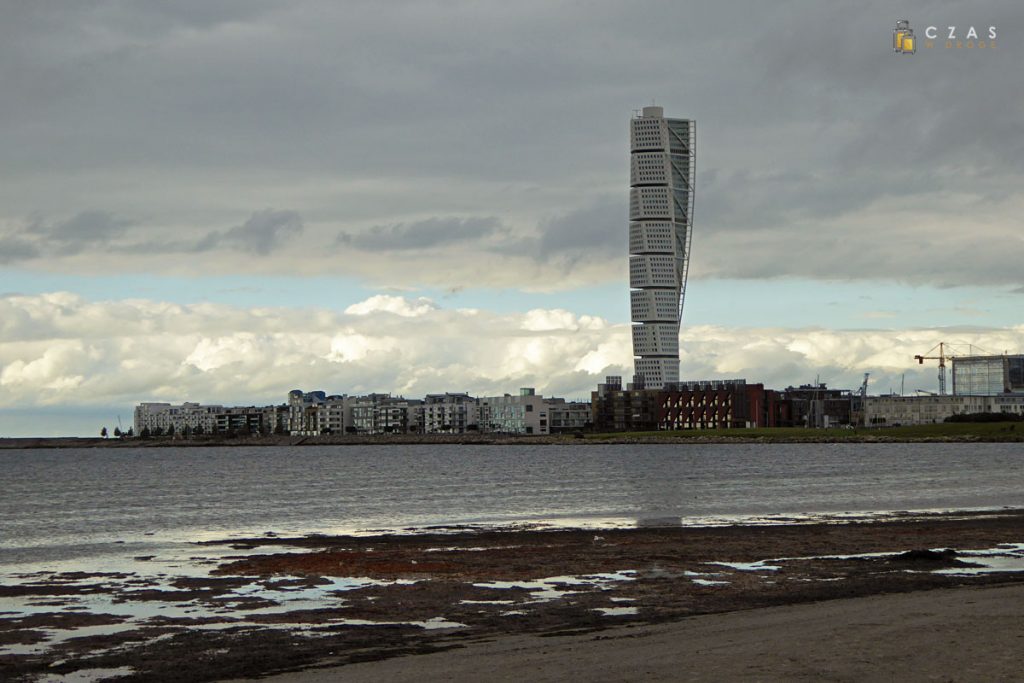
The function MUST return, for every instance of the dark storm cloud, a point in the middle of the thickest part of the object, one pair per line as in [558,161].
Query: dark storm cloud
[432,232]
[805,119]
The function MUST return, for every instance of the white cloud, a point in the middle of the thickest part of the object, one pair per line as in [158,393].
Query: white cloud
[392,304]
[60,349]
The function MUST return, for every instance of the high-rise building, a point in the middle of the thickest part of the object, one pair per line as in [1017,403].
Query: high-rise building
[663,167]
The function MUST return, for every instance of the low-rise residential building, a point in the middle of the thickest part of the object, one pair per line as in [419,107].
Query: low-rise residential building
[275,419]
[313,413]
[715,404]
[449,414]
[195,418]
[304,414]
[383,414]
[526,413]
[815,405]
[568,416]
[614,409]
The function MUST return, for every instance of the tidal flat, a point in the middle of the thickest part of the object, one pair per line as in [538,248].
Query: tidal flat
[247,607]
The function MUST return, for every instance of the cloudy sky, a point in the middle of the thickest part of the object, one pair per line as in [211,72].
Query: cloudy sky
[221,201]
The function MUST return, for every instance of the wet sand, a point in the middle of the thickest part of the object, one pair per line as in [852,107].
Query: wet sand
[527,598]
[963,634]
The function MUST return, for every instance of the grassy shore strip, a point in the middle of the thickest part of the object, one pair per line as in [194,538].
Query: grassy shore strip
[995,432]
[960,431]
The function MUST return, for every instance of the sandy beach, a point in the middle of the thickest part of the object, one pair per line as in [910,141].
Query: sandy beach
[962,634]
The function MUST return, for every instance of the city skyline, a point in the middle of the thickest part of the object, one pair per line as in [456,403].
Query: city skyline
[221,202]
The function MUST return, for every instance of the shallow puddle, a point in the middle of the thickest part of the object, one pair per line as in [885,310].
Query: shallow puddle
[1007,557]
[86,675]
[554,587]
[618,611]
[758,566]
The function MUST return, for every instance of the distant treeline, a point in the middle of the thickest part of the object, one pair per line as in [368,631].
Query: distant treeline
[985,417]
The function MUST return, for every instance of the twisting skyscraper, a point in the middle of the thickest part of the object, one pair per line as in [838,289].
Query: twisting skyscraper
[662,172]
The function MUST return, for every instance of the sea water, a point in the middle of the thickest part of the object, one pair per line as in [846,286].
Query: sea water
[58,505]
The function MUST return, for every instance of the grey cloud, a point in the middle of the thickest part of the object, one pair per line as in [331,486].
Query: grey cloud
[595,232]
[84,231]
[91,231]
[432,232]
[262,233]
[88,226]
[874,252]
[806,116]
[13,250]
[599,229]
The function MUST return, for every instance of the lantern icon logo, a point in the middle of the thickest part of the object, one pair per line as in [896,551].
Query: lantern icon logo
[903,40]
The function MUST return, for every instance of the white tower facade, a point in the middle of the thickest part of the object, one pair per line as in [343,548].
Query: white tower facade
[662,173]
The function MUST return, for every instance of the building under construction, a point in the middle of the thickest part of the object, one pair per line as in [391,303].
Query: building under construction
[988,375]
[981,384]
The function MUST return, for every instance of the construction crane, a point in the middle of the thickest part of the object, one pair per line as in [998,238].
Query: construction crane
[942,358]
[946,352]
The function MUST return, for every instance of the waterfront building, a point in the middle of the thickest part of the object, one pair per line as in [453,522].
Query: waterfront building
[383,414]
[719,404]
[449,414]
[615,409]
[815,405]
[568,416]
[303,411]
[662,174]
[164,418]
[716,404]
[275,419]
[508,414]
[880,411]
[314,413]
[240,420]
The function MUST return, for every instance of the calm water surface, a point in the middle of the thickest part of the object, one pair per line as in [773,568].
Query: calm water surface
[80,502]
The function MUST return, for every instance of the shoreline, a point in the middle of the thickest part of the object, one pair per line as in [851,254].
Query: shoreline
[810,436]
[268,605]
